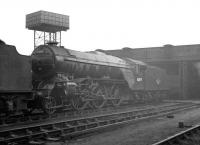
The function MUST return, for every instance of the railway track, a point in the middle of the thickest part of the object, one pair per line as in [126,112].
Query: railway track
[38,117]
[67,129]
[187,137]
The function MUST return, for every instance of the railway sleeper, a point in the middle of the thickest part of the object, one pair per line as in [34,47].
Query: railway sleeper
[54,136]
[68,130]
[92,120]
[54,139]
[80,128]
[128,118]
[83,122]
[102,123]
[59,126]
[112,121]
[120,119]
[72,123]
[92,125]
[36,142]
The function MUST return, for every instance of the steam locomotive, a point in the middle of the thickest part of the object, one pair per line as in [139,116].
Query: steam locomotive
[93,80]
[55,78]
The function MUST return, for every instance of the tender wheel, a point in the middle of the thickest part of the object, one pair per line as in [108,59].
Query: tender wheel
[50,105]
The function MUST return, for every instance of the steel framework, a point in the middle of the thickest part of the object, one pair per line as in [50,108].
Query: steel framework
[41,37]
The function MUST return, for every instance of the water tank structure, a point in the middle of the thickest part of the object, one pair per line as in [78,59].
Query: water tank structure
[47,26]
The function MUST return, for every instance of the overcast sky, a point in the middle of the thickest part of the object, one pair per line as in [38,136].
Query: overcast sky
[107,24]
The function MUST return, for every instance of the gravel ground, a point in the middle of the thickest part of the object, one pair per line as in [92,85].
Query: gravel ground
[143,132]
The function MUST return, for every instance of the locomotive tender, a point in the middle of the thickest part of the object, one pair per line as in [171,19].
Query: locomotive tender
[15,79]
[58,78]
